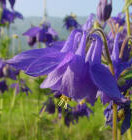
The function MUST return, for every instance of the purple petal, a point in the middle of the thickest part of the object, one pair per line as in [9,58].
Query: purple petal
[104,80]
[24,59]
[32,31]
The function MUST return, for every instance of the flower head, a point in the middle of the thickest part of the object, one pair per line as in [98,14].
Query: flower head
[104,10]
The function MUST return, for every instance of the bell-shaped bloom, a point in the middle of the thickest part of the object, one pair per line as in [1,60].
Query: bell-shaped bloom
[3,86]
[120,64]
[101,75]
[69,71]
[73,115]
[21,87]
[89,23]
[104,10]
[49,106]
[44,34]
[7,71]
[119,19]
[12,3]
[124,114]
[9,16]
[70,22]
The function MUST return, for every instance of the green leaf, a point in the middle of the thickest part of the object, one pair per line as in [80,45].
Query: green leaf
[128,75]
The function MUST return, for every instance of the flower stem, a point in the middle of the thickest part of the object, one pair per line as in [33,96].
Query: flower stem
[114,121]
[119,134]
[1,106]
[23,117]
[113,73]
[128,22]
[10,113]
[129,134]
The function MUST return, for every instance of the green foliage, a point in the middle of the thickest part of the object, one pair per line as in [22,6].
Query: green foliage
[4,46]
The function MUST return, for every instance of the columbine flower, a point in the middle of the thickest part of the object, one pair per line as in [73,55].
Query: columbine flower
[124,113]
[9,16]
[44,34]
[12,3]
[3,86]
[49,106]
[120,64]
[69,71]
[89,23]
[21,87]
[70,22]
[7,71]
[73,115]
[104,10]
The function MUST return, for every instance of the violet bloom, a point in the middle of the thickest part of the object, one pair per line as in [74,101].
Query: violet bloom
[119,19]
[7,71]
[69,71]
[44,34]
[104,10]
[120,64]
[21,87]
[3,86]
[70,22]
[12,3]
[9,16]
[124,113]
[89,23]
[73,115]
[49,106]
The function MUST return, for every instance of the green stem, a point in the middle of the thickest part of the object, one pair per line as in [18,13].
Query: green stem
[119,134]
[129,134]
[114,129]
[23,117]
[128,22]
[114,133]
[1,106]
[10,113]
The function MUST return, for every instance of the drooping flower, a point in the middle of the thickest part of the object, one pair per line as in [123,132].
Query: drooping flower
[7,71]
[12,3]
[69,71]
[49,106]
[44,34]
[70,22]
[9,16]
[124,113]
[104,10]
[21,87]
[120,64]
[73,115]
[3,86]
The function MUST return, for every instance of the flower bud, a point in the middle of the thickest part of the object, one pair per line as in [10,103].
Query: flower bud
[104,10]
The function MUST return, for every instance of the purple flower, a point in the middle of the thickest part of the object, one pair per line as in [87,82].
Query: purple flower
[119,19]
[21,87]
[7,71]
[49,106]
[73,115]
[120,64]
[44,34]
[104,10]
[9,16]
[70,22]
[89,23]
[124,113]
[3,86]
[12,3]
